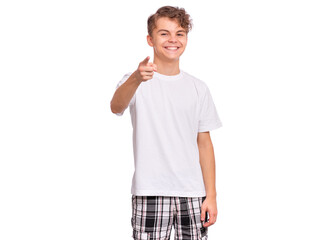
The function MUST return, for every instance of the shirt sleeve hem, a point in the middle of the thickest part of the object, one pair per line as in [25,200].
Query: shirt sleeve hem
[210,127]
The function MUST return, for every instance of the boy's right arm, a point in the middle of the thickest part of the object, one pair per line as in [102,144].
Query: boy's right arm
[125,92]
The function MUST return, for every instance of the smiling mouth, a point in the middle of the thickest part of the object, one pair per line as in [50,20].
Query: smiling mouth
[172,48]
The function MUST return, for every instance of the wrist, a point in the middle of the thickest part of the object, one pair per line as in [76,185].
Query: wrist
[211,195]
[135,78]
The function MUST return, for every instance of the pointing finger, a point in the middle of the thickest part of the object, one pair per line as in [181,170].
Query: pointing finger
[145,61]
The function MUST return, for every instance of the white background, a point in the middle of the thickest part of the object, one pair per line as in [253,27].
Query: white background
[67,161]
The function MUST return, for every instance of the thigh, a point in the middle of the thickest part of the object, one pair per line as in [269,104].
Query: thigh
[188,223]
[152,217]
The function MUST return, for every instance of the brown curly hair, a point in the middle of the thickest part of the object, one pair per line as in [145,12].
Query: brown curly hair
[172,12]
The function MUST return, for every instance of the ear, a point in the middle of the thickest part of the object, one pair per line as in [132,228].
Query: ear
[150,40]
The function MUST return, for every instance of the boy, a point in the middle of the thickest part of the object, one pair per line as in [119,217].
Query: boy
[172,113]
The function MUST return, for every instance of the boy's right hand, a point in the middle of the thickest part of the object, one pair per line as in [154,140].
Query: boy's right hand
[145,70]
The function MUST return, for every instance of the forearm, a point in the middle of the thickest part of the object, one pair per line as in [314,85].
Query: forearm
[124,94]
[208,166]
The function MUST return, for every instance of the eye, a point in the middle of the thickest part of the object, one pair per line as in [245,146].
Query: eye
[180,35]
[163,34]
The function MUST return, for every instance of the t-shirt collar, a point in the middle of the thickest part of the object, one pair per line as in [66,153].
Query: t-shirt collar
[168,77]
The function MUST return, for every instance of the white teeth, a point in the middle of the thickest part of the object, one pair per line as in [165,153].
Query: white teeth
[172,48]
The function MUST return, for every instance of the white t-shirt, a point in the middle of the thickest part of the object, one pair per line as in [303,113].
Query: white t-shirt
[167,112]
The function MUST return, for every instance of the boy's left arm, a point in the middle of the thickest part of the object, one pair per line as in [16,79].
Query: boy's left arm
[207,162]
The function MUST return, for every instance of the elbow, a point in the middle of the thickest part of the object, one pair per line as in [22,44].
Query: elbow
[115,108]
[112,107]
[114,111]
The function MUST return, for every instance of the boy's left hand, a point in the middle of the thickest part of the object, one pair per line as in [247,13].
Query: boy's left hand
[209,205]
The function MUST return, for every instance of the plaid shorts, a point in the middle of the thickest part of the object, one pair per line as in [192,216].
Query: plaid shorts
[154,216]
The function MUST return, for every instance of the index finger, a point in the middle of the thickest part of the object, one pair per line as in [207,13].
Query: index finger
[145,61]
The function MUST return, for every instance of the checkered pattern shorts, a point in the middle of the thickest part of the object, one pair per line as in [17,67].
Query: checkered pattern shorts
[154,216]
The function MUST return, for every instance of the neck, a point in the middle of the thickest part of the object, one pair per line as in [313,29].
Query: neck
[167,68]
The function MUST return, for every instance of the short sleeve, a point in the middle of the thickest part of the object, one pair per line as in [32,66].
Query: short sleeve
[208,118]
[124,78]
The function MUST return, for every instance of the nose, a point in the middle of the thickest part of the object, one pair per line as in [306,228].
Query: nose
[172,39]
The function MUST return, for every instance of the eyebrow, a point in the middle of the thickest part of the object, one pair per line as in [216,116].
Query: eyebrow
[168,31]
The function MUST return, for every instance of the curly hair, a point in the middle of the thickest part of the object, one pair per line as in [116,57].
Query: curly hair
[172,12]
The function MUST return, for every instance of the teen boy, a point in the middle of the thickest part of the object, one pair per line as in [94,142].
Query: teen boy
[172,113]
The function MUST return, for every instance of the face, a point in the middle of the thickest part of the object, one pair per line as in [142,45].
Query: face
[169,40]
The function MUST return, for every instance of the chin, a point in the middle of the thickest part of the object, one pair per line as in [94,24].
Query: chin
[172,59]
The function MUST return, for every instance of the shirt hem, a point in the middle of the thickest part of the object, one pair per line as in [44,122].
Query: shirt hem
[168,193]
